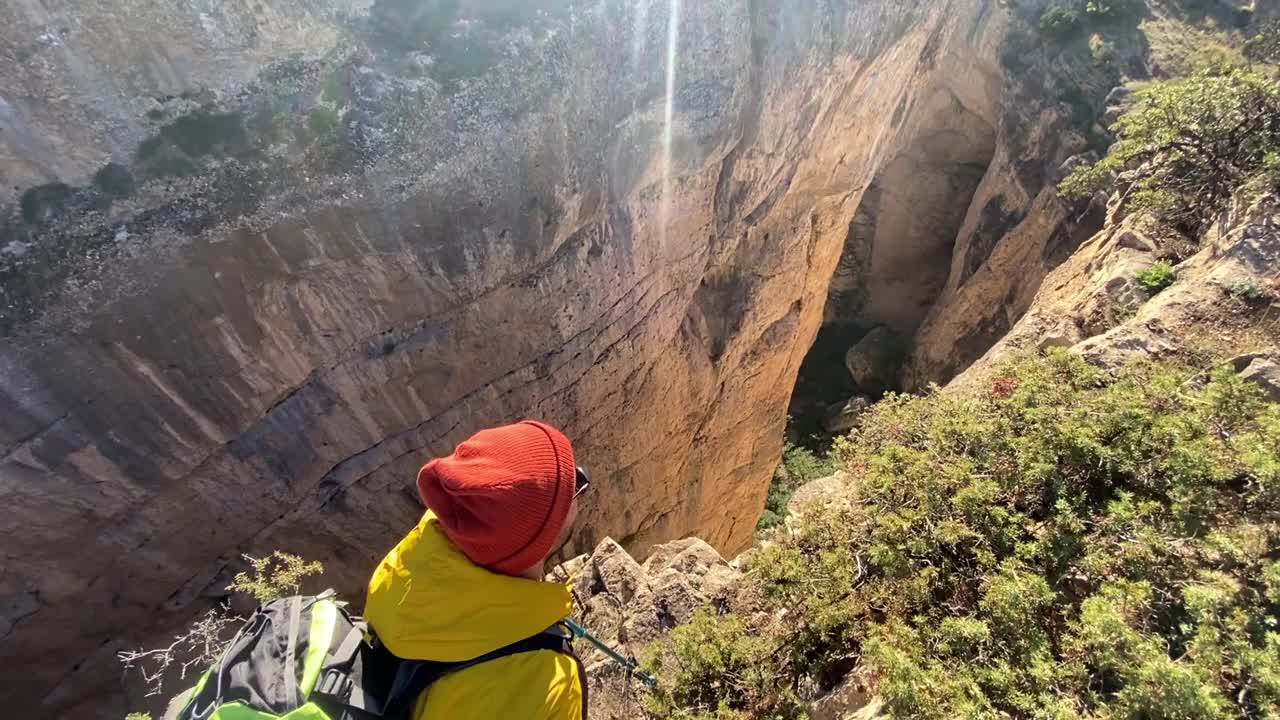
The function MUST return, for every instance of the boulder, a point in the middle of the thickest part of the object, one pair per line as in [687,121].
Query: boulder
[1242,361]
[629,605]
[615,572]
[822,492]
[706,572]
[1076,161]
[1120,96]
[718,580]
[1263,371]
[1061,337]
[874,361]
[843,417]
[568,570]
[1135,240]
[689,555]
[849,700]
[674,598]
[1117,297]
[1125,344]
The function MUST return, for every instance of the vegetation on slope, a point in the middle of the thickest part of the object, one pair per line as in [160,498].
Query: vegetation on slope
[799,465]
[1197,141]
[1157,277]
[1065,19]
[1070,544]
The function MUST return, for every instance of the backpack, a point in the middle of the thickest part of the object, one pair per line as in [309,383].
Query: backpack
[307,658]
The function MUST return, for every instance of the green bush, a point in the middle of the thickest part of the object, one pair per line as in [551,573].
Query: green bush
[711,663]
[1156,278]
[1113,10]
[798,466]
[1060,22]
[1249,291]
[277,575]
[1104,56]
[1214,59]
[1197,140]
[1068,544]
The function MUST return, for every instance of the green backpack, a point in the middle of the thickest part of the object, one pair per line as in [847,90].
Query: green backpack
[306,658]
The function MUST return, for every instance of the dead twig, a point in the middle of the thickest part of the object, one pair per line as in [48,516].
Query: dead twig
[200,646]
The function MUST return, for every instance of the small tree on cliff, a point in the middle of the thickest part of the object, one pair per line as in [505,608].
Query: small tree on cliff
[1197,141]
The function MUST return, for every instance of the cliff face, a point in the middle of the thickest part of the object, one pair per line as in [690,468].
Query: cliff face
[262,262]
[961,223]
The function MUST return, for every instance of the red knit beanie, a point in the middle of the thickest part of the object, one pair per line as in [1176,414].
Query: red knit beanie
[503,495]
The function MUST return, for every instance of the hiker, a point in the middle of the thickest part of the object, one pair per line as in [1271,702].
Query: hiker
[467,580]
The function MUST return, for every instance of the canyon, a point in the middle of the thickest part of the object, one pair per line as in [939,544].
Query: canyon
[260,259]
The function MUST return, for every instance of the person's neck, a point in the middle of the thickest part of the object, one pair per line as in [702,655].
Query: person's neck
[534,573]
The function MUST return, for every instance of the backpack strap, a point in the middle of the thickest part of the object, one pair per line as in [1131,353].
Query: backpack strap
[343,679]
[552,639]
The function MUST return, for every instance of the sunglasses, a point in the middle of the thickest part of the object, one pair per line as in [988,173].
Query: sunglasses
[581,481]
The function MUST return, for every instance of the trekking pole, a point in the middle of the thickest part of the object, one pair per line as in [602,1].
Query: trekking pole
[629,663]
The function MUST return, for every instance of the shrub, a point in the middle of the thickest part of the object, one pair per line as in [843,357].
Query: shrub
[1248,290]
[201,645]
[114,179]
[1156,278]
[798,466]
[275,576]
[1071,543]
[1197,141]
[1060,22]
[1214,59]
[714,667]
[1112,10]
[1104,54]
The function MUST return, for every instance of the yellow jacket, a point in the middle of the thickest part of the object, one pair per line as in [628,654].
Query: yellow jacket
[427,601]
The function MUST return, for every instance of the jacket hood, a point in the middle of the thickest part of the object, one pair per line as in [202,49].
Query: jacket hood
[428,601]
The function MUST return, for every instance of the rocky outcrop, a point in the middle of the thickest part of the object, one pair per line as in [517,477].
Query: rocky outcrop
[630,605]
[264,260]
[1222,304]
[1016,230]
[850,700]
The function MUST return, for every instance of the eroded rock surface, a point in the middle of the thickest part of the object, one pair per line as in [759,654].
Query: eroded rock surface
[1222,303]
